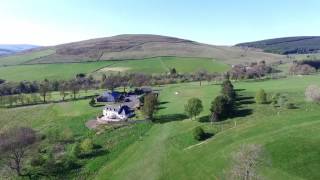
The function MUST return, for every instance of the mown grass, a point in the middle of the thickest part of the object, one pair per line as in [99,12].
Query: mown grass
[69,70]
[289,137]
[167,150]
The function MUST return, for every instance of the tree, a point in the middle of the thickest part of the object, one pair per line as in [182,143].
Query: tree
[201,74]
[74,87]
[193,107]
[63,88]
[86,145]
[312,93]
[112,82]
[221,108]
[150,105]
[44,89]
[14,144]
[199,134]
[246,162]
[173,71]
[261,97]
[227,90]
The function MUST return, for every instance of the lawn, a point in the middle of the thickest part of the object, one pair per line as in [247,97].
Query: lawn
[166,150]
[289,137]
[69,70]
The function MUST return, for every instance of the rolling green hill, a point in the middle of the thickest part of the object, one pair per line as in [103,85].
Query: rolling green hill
[131,47]
[150,66]
[167,150]
[288,45]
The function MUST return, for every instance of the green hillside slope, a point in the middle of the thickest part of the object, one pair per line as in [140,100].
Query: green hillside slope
[288,45]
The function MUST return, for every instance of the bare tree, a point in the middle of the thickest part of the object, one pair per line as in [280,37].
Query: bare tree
[246,161]
[63,88]
[312,93]
[44,89]
[74,87]
[14,144]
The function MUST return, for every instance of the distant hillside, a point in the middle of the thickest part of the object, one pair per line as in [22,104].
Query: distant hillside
[130,47]
[8,49]
[288,45]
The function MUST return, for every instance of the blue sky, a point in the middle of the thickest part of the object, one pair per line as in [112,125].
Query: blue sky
[224,22]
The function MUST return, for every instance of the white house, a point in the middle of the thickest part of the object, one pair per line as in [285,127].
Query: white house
[115,113]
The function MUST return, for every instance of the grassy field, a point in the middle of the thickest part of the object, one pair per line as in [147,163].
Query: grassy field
[289,136]
[49,71]
[166,150]
[68,71]
[22,58]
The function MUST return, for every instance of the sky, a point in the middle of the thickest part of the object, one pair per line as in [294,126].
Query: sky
[219,22]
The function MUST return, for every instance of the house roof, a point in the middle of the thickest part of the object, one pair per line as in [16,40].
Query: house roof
[118,108]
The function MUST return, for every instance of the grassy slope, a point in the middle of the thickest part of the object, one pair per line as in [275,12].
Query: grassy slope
[49,71]
[67,71]
[163,64]
[22,58]
[289,136]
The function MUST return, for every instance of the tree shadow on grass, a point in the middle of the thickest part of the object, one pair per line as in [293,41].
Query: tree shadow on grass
[239,90]
[170,117]
[94,153]
[242,113]
[162,103]
[204,118]
[207,135]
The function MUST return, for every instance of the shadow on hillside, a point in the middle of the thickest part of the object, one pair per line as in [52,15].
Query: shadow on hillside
[170,117]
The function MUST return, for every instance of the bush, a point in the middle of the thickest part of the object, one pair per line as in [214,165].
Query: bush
[199,134]
[38,160]
[261,97]
[67,135]
[86,146]
[290,105]
[92,102]
[76,150]
[282,101]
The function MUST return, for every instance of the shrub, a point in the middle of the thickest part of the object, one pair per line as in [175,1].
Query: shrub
[76,150]
[92,102]
[86,146]
[274,99]
[37,160]
[193,107]
[290,105]
[198,133]
[312,93]
[67,135]
[261,97]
